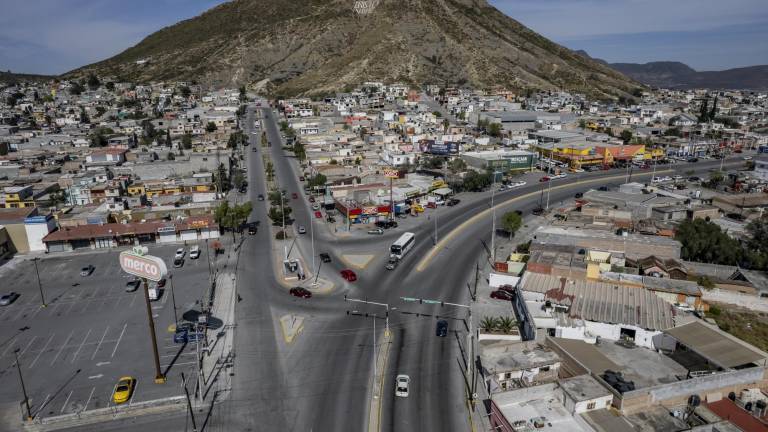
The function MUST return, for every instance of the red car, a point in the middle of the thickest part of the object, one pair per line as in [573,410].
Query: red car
[348,275]
[544,179]
[501,295]
[507,289]
[300,292]
[295,195]
[318,215]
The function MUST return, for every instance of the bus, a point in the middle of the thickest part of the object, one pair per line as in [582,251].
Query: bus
[402,245]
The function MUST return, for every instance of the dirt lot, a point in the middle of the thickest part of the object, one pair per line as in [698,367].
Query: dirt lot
[745,324]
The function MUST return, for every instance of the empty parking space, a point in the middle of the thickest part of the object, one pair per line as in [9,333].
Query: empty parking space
[92,332]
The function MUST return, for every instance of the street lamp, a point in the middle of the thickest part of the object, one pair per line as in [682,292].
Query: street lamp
[39,284]
[173,300]
[23,388]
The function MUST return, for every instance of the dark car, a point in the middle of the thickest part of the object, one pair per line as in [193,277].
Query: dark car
[295,195]
[538,211]
[325,257]
[603,188]
[161,283]
[442,328]
[186,334]
[132,285]
[693,159]
[501,295]
[261,197]
[178,262]
[252,228]
[452,202]
[301,178]
[8,298]
[87,270]
[300,292]
[508,289]
[578,195]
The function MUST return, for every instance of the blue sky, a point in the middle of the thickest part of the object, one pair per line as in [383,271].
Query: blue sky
[54,36]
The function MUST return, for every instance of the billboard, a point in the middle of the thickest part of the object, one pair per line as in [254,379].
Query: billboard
[442,148]
[144,266]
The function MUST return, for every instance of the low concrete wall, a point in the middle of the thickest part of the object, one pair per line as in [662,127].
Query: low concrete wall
[756,303]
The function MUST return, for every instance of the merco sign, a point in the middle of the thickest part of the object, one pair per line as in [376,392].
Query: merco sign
[137,263]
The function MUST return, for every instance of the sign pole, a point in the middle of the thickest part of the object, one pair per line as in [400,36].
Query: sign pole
[159,378]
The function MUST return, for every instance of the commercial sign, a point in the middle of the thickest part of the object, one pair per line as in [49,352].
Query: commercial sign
[137,263]
[391,173]
[439,147]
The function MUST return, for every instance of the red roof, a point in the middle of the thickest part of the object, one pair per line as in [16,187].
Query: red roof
[84,232]
[745,421]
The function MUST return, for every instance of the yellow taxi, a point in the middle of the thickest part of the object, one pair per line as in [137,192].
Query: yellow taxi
[123,390]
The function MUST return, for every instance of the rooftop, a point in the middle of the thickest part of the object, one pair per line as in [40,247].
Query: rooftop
[583,388]
[717,345]
[536,402]
[501,356]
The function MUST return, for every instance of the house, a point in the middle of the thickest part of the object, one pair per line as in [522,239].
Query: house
[582,393]
[509,365]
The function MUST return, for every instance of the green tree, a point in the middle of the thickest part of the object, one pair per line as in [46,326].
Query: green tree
[494,129]
[489,324]
[232,217]
[211,127]
[511,222]
[98,137]
[317,180]
[476,182]
[457,165]
[434,162]
[299,151]
[168,140]
[93,82]
[269,170]
[238,179]
[185,92]
[110,86]
[243,94]
[582,124]
[506,324]
[437,114]
[705,242]
[713,111]
[76,89]
[758,231]
[276,215]
[704,111]
[171,156]
[626,136]
[186,141]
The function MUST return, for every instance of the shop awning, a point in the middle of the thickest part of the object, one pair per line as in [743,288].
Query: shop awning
[442,191]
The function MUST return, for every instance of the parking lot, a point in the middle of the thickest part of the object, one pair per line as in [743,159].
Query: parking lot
[92,332]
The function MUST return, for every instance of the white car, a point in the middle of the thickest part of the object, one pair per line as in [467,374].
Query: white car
[180,252]
[194,252]
[747,158]
[666,178]
[677,177]
[402,383]
[656,180]
[302,230]
[516,184]
[559,176]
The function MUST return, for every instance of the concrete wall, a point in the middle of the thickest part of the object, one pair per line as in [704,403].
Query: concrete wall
[752,302]
[583,406]
[36,232]
[18,235]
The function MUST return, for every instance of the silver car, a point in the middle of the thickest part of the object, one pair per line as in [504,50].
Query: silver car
[8,298]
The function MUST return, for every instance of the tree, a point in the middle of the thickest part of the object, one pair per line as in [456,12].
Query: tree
[238,179]
[98,138]
[243,94]
[433,162]
[186,141]
[317,180]
[168,140]
[758,231]
[713,111]
[299,151]
[675,131]
[171,156]
[276,215]
[232,217]
[110,86]
[76,88]
[211,127]
[185,92]
[93,82]
[457,165]
[705,242]
[494,129]
[437,114]
[704,111]
[582,124]
[476,182]
[511,222]
[626,136]
[269,170]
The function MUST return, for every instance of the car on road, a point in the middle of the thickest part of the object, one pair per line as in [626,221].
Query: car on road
[87,270]
[578,195]
[123,390]
[255,149]
[516,184]
[261,197]
[178,262]
[538,211]
[677,178]
[9,298]
[301,178]
[694,179]
[452,202]
[295,195]
[180,252]
[402,382]
[559,176]
[544,179]
[325,257]
[392,263]
[692,159]
[252,228]
[348,275]
[302,230]
[315,206]
[603,188]
[194,252]
[311,199]
[132,285]
[501,295]
[386,224]
[377,231]
[442,328]
[300,292]
[747,158]
[187,333]
[318,215]
[161,283]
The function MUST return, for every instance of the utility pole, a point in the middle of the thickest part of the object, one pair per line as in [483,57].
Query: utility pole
[312,235]
[159,377]
[549,189]
[385,305]
[39,284]
[493,219]
[23,388]
[319,266]
[434,240]
[189,403]
[374,352]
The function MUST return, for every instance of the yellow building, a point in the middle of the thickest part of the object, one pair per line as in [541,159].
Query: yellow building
[136,189]
[17,197]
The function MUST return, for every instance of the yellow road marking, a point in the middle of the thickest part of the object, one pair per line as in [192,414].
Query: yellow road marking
[447,239]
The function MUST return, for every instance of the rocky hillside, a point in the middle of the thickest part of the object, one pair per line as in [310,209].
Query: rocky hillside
[319,46]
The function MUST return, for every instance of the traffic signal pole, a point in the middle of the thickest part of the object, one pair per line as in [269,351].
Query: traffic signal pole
[385,305]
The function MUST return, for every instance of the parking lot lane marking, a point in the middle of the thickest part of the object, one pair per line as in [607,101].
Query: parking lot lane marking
[28,345]
[102,363]
[74,303]
[9,346]
[31,365]
[96,376]
[134,299]
[100,342]
[133,393]
[118,341]
[36,312]
[81,346]
[89,398]
[62,347]
[22,311]
[182,354]
[65,402]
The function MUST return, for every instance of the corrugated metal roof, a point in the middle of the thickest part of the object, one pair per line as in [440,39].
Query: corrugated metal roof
[601,302]
[716,345]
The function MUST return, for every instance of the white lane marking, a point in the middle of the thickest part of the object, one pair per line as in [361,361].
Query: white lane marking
[100,342]
[31,365]
[96,376]
[133,393]
[45,401]
[102,363]
[62,347]
[81,345]
[9,345]
[28,345]
[63,407]
[130,305]
[89,398]
[118,341]
[178,364]
[74,303]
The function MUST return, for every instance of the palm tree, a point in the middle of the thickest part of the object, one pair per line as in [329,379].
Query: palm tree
[489,324]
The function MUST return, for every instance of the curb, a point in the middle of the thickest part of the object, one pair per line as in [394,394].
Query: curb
[374,414]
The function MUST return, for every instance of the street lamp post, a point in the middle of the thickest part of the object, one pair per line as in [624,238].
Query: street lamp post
[23,388]
[312,236]
[493,219]
[39,284]
[173,300]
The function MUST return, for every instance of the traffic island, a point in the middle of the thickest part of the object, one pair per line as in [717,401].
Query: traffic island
[377,387]
[292,326]
[358,261]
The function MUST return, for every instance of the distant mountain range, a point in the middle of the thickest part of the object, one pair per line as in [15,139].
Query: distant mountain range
[323,46]
[9,77]
[676,75]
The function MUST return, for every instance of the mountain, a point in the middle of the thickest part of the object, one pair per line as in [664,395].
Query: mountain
[9,77]
[320,46]
[676,75]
